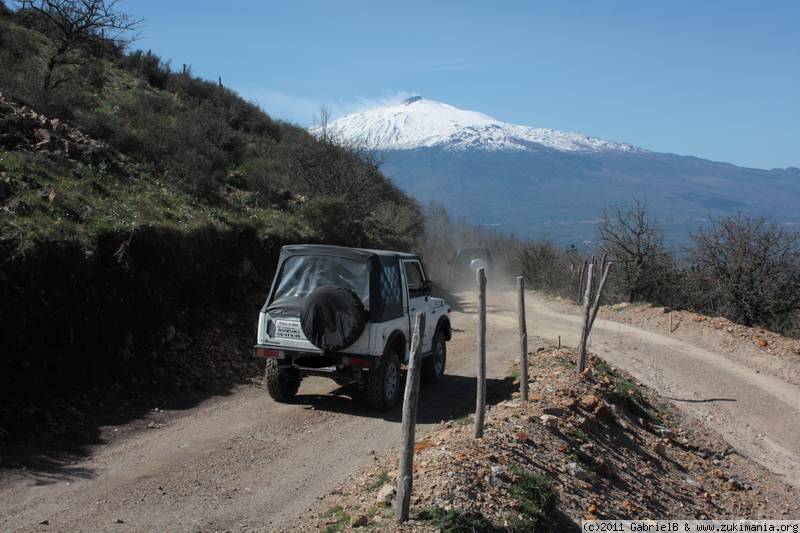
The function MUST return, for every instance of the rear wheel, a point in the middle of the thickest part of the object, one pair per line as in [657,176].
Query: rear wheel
[383,383]
[282,383]
[433,365]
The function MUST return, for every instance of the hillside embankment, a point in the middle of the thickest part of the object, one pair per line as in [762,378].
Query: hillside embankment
[592,446]
[141,214]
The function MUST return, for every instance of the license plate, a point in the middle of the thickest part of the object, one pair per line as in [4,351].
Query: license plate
[288,329]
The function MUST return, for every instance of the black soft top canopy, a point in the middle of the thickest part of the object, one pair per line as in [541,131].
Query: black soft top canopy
[373,275]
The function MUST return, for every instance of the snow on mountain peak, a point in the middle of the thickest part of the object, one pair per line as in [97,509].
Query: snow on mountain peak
[417,122]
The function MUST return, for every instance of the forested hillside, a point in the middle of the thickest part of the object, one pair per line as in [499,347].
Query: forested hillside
[139,205]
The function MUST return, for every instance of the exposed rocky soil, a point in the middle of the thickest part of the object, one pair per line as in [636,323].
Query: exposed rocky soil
[22,128]
[609,447]
[738,389]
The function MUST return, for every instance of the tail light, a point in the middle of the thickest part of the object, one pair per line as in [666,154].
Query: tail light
[268,353]
[361,362]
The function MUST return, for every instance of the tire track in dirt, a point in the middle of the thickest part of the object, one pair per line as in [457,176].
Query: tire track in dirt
[755,412]
[242,460]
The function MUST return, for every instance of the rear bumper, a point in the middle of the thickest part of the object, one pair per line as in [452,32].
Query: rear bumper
[316,361]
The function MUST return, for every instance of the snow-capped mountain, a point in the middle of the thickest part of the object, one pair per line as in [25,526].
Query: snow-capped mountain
[417,122]
[544,183]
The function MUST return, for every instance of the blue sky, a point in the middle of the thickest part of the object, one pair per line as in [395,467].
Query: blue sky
[715,79]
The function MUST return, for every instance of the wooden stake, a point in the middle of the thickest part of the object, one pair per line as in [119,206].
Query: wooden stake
[559,342]
[589,316]
[596,305]
[480,402]
[405,477]
[670,322]
[581,276]
[523,341]
[585,327]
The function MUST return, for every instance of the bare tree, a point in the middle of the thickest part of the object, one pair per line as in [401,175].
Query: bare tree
[749,270]
[636,244]
[74,24]
[340,167]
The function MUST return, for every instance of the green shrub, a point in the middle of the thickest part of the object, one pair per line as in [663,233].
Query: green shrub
[536,496]
[149,66]
[456,520]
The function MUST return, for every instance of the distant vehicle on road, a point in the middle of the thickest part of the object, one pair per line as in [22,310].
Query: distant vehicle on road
[347,314]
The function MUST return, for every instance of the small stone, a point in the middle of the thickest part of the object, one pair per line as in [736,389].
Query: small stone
[628,506]
[44,523]
[552,410]
[361,521]
[692,482]
[42,136]
[386,494]
[762,343]
[589,402]
[666,433]
[119,521]
[575,470]
[602,411]
[734,484]
[549,421]
[592,508]
[660,449]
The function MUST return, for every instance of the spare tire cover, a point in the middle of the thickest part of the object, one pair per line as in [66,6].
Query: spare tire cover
[333,318]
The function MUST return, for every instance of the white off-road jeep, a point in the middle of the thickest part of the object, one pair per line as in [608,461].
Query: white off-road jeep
[347,314]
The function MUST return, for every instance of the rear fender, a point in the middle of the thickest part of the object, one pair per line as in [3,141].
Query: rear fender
[397,340]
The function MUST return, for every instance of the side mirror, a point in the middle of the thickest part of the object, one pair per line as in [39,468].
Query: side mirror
[426,287]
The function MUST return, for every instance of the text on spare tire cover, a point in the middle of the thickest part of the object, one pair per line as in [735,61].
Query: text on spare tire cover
[288,329]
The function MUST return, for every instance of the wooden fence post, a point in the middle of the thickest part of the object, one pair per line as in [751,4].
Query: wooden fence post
[523,341]
[581,276]
[598,295]
[405,476]
[593,314]
[585,328]
[480,402]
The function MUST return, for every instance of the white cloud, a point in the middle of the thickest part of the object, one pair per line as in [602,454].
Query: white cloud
[303,111]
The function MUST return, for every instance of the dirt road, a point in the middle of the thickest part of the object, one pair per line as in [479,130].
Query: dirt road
[241,460]
[244,461]
[755,412]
